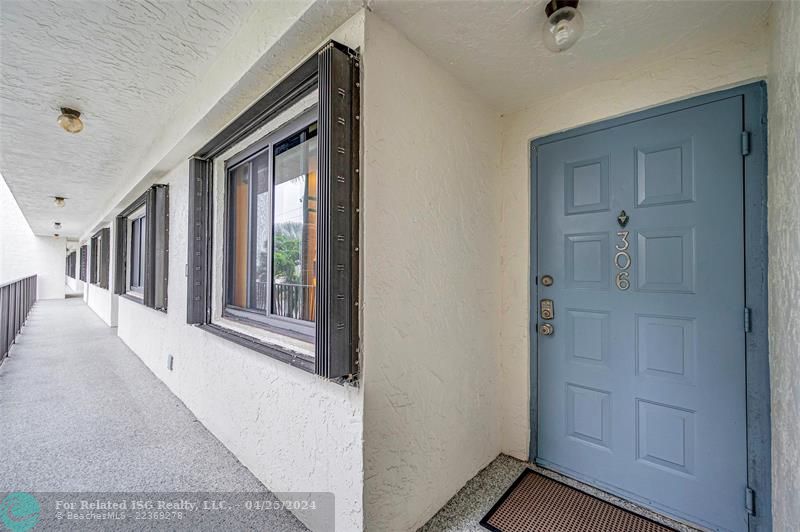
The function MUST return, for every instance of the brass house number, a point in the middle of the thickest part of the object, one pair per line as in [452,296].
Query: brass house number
[622,261]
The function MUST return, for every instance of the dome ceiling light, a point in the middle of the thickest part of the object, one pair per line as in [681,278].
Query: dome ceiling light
[564,25]
[58,201]
[70,120]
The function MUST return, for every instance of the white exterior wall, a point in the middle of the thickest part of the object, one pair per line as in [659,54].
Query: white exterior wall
[23,254]
[75,285]
[430,267]
[676,77]
[294,430]
[784,257]
[445,265]
[103,302]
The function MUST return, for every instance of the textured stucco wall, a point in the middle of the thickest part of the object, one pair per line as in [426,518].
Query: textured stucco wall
[430,266]
[281,422]
[76,286]
[295,431]
[677,76]
[784,257]
[103,302]
[22,253]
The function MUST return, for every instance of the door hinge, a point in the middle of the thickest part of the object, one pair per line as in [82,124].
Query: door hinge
[748,324]
[750,501]
[745,143]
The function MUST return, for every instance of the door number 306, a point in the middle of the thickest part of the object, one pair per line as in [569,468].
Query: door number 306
[622,260]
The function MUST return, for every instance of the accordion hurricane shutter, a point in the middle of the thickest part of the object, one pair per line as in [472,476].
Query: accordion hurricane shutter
[335,73]
[337,326]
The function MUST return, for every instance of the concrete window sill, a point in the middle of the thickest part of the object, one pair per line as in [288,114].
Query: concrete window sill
[284,353]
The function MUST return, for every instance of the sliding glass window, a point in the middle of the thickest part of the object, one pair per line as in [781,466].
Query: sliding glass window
[272,231]
[137,252]
[141,264]
[97,241]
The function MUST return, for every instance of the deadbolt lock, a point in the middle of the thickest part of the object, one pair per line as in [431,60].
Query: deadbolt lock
[547,280]
[546,329]
[546,309]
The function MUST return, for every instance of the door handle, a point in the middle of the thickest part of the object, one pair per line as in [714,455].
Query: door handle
[546,329]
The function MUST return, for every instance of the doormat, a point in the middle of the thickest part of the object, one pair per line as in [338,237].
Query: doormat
[535,503]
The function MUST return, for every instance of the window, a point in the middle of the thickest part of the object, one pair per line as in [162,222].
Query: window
[71,265]
[84,259]
[272,231]
[100,254]
[142,258]
[94,273]
[290,214]
[137,253]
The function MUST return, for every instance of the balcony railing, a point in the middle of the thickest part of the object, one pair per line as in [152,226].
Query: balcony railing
[16,299]
[293,301]
[288,300]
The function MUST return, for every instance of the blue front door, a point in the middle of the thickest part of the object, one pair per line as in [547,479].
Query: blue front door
[641,379]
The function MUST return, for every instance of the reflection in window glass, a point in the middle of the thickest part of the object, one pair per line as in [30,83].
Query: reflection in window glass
[295,226]
[271,242]
[239,230]
[260,169]
[138,227]
[94,263]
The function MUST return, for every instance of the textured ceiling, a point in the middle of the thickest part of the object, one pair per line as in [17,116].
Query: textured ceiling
[129,64]
[123,64]
[495,46]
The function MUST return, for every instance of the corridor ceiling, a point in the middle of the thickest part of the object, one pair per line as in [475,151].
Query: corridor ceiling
[495,47]
[127,65]
[123,64]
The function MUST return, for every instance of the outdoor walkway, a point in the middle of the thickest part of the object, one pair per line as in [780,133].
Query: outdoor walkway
[80,412]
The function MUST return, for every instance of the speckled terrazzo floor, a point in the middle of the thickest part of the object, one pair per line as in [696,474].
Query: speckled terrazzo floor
[464,511]
[79,412]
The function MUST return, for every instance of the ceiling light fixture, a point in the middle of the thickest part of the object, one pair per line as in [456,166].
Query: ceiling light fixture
[564,25]
[70,120]
[57,225]
[55,235]
[58,201]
